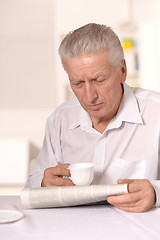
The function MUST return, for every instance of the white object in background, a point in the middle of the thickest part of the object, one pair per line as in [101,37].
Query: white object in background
[14,161]
[81,173]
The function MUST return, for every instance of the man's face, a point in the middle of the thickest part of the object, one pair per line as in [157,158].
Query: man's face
[97,84]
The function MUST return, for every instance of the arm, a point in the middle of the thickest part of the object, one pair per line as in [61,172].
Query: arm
[45,171]
[141,196]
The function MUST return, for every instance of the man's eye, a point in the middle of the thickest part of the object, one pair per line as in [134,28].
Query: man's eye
[77,84]
[100,80]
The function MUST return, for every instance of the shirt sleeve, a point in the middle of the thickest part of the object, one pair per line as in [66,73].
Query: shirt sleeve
[156,186]
[45,159]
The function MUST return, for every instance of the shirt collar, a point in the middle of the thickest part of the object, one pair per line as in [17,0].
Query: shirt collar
[129,109]
[128,112]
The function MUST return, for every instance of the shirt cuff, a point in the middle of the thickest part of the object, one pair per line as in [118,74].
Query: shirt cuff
[34,182]
[156,186]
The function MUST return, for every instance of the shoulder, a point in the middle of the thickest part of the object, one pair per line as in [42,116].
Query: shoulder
[68,109]
[147,96]
[149,104]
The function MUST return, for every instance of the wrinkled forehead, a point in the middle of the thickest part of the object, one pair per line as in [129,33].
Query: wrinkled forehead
[87,58]
[89,65]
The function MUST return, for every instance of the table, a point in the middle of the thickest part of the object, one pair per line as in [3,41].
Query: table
[94,222]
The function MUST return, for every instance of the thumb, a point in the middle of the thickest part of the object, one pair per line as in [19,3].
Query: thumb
[124,181]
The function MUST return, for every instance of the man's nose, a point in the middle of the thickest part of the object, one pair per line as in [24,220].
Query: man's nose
[90,93]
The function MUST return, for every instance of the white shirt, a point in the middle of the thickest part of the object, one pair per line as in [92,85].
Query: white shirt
[128,148]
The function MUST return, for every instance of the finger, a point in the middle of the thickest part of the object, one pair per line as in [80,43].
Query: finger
[60,170]
[57,181]
[68,182]
[128,205]
[139,185]
[124,181]
[124,198]
[134,185]
[136,209]
[137,206]
[66,165]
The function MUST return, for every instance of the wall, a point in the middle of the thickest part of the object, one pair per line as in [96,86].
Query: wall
[26,47]
[27,83]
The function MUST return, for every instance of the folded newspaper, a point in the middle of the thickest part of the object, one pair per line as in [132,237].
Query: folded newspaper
[47,197]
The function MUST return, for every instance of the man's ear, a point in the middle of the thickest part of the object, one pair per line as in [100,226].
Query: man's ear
[123,71]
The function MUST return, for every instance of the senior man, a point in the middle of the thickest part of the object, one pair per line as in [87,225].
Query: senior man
[115,127]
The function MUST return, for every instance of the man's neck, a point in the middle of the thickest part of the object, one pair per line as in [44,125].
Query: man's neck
[100,124]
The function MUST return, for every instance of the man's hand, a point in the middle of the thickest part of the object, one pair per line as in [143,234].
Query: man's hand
[141,196]
[54,176]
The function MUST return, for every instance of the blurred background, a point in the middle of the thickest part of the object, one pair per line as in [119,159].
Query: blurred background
[32,80]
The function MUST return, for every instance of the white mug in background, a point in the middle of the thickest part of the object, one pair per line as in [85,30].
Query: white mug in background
[81,173]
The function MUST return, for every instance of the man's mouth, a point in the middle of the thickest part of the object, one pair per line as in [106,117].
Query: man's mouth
[95,107]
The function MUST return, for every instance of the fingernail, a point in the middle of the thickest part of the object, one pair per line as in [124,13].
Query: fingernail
[109,199]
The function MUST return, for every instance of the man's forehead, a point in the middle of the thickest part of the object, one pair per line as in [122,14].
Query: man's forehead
[94,77]
[84,56]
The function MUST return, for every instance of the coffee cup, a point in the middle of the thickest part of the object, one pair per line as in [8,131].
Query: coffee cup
[81,173]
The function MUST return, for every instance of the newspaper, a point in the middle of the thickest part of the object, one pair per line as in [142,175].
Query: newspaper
[47,197]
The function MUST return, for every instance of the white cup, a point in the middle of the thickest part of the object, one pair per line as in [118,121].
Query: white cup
[81,173]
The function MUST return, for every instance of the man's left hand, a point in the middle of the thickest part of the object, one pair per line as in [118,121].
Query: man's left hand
[141,196]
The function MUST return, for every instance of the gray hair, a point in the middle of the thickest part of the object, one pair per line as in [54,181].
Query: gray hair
[89,39]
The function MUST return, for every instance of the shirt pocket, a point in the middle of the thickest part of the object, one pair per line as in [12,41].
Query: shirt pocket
[121,168]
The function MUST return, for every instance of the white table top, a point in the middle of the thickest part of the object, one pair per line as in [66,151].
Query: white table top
[79,223]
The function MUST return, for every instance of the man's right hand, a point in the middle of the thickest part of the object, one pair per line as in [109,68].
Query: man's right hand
[53,176]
